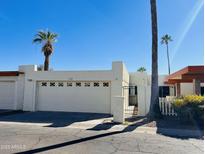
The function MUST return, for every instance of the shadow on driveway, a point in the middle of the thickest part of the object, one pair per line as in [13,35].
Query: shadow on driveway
[57,119]
[9,112]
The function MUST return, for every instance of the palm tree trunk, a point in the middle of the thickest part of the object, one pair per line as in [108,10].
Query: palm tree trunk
[46,63]
[168,58]
[154,111]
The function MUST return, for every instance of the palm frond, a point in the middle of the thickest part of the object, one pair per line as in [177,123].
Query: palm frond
[166,39]
[37,40]
[162,41]
[48,35]
[170,38]
[42,35]
[52,36]
[45,36]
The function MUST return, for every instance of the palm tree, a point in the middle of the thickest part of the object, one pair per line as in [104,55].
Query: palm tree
[46,38]
[165,40]
[141,69]
[154,111]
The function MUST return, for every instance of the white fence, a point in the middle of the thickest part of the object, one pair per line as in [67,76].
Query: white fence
[166,108]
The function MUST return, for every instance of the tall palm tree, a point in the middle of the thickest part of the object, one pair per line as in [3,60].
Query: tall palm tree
[47,38]
[165,40]
[154,111]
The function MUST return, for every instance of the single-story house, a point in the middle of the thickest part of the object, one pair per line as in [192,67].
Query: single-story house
[97,91]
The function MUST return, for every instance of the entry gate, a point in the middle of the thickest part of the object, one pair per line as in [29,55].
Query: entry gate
[131,108]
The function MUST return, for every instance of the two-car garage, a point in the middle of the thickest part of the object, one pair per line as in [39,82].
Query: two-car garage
[75,96]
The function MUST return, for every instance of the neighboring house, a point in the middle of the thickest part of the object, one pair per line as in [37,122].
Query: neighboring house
[189,80]
[104,91]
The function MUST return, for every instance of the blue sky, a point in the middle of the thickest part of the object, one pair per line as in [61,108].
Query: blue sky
[93,33]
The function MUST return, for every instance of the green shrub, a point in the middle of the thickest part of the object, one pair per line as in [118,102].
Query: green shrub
[189,108]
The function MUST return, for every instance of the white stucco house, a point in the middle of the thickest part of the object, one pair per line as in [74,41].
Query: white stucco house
[113,91]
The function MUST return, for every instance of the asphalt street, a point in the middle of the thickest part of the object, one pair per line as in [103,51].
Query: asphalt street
[20,138]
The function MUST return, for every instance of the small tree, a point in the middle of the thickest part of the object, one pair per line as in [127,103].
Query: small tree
[141,69]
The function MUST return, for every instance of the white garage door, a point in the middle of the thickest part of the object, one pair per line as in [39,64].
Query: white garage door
[7,90]
[74,96]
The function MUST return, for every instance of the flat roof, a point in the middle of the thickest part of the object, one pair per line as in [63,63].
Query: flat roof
[10,73]
[186,74]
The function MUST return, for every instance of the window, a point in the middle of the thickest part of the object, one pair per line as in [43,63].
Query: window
[164,91]
[60,84]
[133,90]
[44,84]
[78,84]
[133,99]
[96,84]
[87,84]
[202,91]
[69,84]
[105,84]
[52,84]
